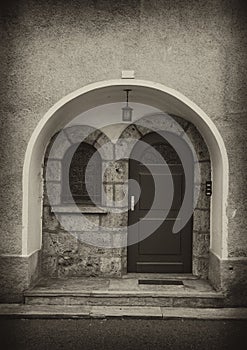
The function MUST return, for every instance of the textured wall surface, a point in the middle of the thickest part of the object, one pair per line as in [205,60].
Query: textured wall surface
[50,48]
[64,254]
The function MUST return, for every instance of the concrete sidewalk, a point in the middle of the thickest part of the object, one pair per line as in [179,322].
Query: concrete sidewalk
[144,312]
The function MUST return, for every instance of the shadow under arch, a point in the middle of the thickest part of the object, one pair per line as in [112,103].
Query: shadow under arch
[96,94]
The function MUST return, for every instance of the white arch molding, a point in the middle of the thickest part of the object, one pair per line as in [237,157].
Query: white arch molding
[110,91]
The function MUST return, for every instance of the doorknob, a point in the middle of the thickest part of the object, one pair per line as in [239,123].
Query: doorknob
[132,203]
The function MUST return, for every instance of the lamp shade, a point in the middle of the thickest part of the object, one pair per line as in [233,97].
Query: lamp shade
[127,114]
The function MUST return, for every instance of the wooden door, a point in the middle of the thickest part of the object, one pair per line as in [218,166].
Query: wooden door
[162,251]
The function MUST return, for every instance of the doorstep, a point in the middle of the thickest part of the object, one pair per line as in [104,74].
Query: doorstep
[92,291]
[14,311]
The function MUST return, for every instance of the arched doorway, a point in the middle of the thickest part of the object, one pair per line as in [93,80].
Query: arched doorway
[162,251]
[154,94]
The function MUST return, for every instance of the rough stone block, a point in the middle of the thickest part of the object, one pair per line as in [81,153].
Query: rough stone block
[114,220]
[60,146]
[121,195]
[115,252]
[50,243]
[105,147]
[143,130]
[76,266]
[201,244]
[108,195]
[101,238]
[198,143]
[181,121]
[115,171]
[130,132]
[159,122]
[67,243]
[120,238]
[205,173]
[53,170]
[110,266]
[201,220]
[53,193]
[50,221]
[200,267]
[45,197]
[49,266]
[123,148]
[203,201]
[93,265]
[82,133]
[89,250]
[78,222]
[124,261]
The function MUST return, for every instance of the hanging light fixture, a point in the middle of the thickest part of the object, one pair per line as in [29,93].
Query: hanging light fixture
[127,111]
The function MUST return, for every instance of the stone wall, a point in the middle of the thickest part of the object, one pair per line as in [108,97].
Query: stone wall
[201,216]
[51,48]
[64,254]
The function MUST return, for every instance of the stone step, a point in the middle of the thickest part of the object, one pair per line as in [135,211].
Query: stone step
[15,311]
[125,292]
[125,298]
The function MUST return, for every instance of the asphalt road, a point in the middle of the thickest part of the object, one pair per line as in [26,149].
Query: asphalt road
[122,334]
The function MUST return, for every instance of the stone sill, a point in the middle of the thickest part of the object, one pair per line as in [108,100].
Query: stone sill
[71,209]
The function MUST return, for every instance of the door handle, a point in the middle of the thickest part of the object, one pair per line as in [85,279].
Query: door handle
[132,203]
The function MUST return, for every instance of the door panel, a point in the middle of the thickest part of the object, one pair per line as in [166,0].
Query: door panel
[169,243]
[147,191]
[162,251]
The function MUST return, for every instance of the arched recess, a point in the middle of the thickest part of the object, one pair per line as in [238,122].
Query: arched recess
[96,94]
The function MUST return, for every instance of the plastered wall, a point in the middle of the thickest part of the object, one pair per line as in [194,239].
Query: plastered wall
[49,49]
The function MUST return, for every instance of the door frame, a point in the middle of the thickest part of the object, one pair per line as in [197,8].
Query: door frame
[153,138]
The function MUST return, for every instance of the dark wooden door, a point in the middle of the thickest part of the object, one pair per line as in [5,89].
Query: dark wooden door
[162,251]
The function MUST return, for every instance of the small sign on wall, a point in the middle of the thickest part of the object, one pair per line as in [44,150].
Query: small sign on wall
[208,188]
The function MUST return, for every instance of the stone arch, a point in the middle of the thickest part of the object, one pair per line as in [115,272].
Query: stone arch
[96,94]
[61,143]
